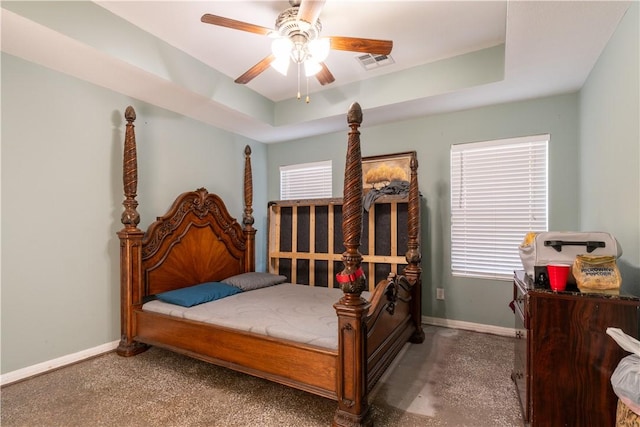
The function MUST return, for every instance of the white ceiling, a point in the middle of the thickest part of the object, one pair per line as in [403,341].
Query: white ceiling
[550,48]
[458,27]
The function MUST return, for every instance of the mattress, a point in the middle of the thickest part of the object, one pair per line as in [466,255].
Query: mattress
[298,313]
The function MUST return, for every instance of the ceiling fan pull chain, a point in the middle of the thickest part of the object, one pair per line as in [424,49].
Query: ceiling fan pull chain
[308,99]
[298,80]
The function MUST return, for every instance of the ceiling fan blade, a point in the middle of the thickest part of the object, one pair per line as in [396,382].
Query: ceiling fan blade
[236,25]
[354,44]
[253,72]
[309,10]
[324,76]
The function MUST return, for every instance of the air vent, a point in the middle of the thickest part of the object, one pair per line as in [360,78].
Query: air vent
[370,62]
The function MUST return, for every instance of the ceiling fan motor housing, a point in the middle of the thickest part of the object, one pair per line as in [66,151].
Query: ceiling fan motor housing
[299,32]
[289,26]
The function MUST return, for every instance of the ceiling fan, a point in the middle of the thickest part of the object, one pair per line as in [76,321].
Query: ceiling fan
[297,39]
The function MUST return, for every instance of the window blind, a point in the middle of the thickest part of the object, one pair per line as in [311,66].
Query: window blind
[306,181]
[498,194]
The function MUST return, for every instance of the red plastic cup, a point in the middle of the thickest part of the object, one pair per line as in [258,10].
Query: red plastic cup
[558,275]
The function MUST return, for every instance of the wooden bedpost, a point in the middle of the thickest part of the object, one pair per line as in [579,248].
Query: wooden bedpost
[353,405]
[413,270]
[130,243]
[247,218]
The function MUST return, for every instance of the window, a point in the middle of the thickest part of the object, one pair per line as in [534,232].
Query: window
[306,181]
[498,194]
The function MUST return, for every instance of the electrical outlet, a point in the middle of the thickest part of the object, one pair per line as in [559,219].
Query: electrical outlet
[439,293]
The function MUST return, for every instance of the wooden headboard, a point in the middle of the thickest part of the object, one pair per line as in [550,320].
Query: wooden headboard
[196,241]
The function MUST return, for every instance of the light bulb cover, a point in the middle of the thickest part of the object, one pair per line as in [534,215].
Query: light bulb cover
[281,48]
[281,65]
[319,48]
[311,67]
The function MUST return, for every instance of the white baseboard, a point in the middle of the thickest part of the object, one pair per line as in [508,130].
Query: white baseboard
[40,368]
[469,326]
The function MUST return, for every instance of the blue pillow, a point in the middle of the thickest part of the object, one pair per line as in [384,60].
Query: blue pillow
[198,294]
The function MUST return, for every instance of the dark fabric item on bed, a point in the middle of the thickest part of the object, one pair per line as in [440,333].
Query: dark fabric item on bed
[400,188]
[254,280]
[198,294]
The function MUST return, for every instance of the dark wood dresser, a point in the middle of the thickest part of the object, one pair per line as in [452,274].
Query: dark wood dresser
[563,357]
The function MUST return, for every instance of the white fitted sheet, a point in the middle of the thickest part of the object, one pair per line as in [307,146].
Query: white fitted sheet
[298,313]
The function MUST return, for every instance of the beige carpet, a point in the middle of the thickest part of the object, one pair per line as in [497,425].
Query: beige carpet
[455,378]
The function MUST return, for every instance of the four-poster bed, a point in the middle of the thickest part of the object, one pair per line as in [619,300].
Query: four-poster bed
[197,241]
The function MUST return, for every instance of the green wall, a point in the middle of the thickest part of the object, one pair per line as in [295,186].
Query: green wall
[610,144]
[470,300]
[62,195]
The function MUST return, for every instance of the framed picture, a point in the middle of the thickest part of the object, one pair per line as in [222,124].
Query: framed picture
[378,171]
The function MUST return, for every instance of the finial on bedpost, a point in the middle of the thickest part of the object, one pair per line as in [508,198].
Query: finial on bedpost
[352,279]
[247,219]
[130,216]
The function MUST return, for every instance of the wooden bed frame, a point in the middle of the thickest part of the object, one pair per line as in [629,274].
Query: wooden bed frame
[198,241]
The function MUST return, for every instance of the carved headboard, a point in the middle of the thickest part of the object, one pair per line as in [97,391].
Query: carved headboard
[196,241]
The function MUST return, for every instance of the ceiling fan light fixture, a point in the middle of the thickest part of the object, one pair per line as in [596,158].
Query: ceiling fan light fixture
[281,65]
[299,52]
[319,48]
[296,38]
[311,67]
[281,48]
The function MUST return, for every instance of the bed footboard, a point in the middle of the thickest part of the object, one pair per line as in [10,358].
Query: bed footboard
[371,333]
[389,325]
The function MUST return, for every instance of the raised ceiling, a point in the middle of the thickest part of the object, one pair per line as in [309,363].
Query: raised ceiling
[448,55]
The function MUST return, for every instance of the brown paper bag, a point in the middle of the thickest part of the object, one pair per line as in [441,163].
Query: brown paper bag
[598,272]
